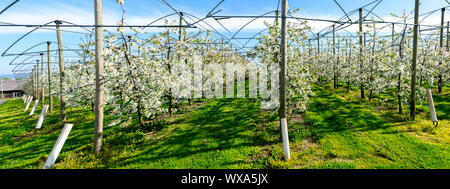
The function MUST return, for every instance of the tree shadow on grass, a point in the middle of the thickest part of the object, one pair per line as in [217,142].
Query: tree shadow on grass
[212,130]
[442,105]
[330,114]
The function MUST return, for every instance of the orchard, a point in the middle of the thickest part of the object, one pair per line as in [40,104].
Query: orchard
[188,91]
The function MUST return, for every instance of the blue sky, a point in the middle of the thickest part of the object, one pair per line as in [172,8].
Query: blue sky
[145,11]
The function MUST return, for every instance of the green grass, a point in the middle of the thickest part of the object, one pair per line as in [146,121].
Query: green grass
[343,132]
[220,134]
[21,147]
[338,131]
[223,133]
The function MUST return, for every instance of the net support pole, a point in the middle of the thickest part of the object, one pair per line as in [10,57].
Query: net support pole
[412,105]
[441,45]
[42,80]
[99,77]
[283,49]
[62,100]
[361,49]
[49,65]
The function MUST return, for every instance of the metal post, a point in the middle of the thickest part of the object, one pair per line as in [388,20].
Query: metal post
[99,77]
[441,45]
[283,48]
[49,65]
[42,80]
[62,100]
[360,49]
[414,62]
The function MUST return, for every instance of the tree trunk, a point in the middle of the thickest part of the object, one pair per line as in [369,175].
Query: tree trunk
[140,112]
[399,97]
[348,85]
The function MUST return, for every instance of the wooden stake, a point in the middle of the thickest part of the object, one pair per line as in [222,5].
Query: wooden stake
[49,65]
[62,98]
[360,50]
[99,77]
[37,79]
[283,48]
[441,45]
[168,66]
[414,62]
[448,34]
[399,80]
[318,43]
[334,55]
[42,80]
[32,83]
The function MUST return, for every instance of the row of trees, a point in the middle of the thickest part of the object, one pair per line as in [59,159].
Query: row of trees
[139,76]
[383,63]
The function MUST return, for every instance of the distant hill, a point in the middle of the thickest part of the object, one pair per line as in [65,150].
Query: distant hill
[10,76]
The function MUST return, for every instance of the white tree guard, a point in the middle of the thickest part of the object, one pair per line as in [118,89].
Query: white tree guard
[28,105]
[284,131]
[34,107]
[58,146]
[41,117]
[431,105]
